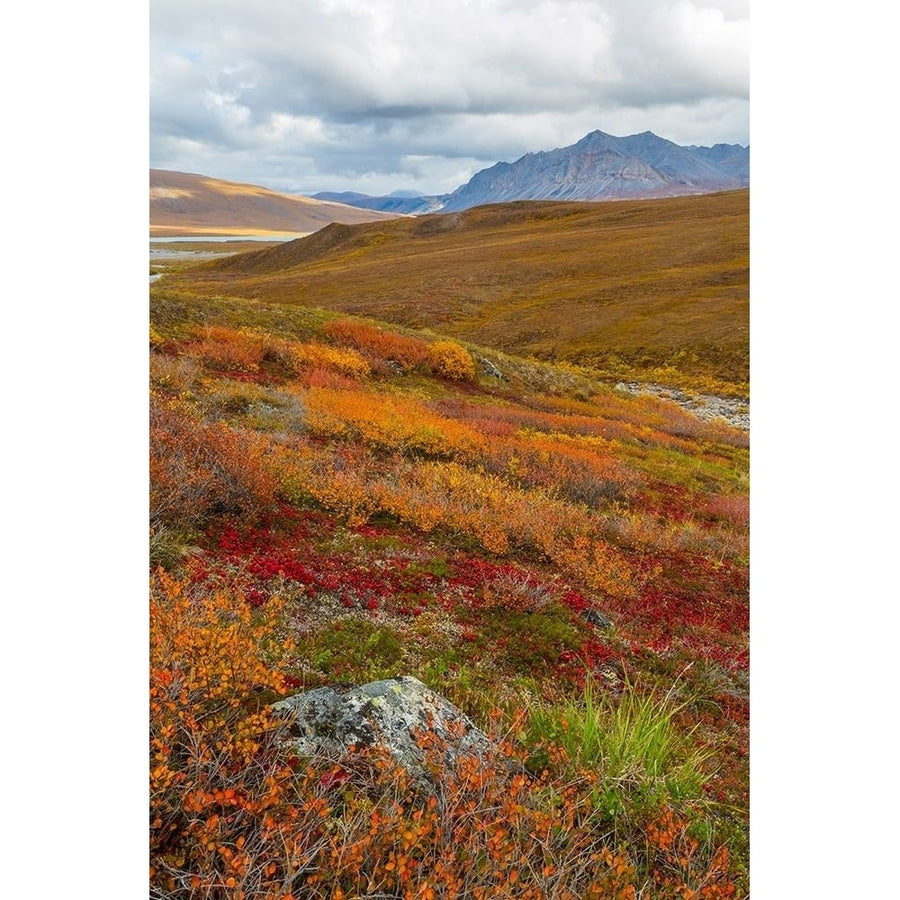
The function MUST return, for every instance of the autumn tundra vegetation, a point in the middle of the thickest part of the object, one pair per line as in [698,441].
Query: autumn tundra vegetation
[339,500]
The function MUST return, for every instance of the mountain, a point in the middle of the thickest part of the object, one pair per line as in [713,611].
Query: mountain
[400,202]
[603,167]
[186,204]
[635,281]
[599,167]
[730,158]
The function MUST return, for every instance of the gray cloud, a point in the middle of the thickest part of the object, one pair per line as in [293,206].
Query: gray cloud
[374,95]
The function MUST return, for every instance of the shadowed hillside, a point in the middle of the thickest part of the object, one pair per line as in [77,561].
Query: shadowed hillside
[647,283]
[183,204]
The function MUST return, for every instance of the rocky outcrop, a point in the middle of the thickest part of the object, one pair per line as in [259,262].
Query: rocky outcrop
[704,406]
[401,714]
[491,370]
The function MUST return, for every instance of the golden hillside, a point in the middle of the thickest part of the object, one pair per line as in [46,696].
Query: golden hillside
[184,204]
[647,284]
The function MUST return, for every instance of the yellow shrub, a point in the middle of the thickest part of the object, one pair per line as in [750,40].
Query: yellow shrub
[389,423]
[449,359]
[343,360]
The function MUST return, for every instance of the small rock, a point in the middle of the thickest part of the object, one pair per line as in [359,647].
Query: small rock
[612,675]
[597,619]
[491,370]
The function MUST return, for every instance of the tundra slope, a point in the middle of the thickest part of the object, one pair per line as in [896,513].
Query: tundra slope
[625,287]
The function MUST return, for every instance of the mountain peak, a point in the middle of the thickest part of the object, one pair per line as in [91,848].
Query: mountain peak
[601,166]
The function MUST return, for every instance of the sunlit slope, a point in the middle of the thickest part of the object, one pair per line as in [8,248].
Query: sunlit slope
[184,204]
[647,283]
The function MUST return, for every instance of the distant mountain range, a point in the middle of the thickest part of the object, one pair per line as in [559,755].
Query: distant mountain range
[185,204]
[401,203]
[598,167]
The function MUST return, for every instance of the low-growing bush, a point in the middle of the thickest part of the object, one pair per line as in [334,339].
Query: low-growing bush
[389,423]
[449,360]
[223,818]
[298,358]
[386,346]
[228,349]
[198,469]
[172,374]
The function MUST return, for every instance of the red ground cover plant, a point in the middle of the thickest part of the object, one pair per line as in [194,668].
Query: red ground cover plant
[347,515]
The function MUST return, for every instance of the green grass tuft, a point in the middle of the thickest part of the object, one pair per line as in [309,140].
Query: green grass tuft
[632,742]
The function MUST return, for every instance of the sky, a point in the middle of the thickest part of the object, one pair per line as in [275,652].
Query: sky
[382,95]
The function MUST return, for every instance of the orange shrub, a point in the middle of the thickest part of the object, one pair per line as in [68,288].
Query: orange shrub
[452,361]
[199,469]
[389,423]
[228,350]
[680,869]
[224,813]
[408,353]
[581,469]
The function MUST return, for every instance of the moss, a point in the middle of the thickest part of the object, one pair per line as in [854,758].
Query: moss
[355,648]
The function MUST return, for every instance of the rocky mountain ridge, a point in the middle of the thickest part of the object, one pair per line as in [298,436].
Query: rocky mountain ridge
[598,167]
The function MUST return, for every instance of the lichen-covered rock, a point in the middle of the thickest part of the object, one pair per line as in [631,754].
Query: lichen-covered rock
[491,370]
[396,714]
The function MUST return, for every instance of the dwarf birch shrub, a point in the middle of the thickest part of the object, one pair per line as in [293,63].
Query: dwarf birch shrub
[384,346]
[228,349]
[198,469]
[450,360]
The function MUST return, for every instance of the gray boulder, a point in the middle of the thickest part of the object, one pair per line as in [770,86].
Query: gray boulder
[394,714]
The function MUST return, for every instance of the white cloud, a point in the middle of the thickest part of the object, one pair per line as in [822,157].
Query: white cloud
[335,93]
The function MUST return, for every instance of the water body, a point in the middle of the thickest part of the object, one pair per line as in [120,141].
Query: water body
[163,253]
[218,238]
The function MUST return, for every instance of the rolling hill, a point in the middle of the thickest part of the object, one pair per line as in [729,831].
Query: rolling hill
[644,284]
[182,204]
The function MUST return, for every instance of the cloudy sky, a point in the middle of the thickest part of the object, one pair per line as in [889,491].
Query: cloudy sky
[381,95]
